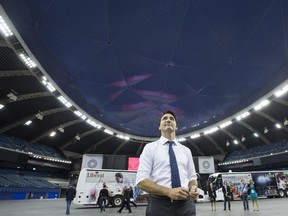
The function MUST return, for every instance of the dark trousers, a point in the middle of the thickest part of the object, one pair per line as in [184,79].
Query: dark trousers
[227,199]
[134,204]
[164,207]
[245,201]
[68,204]
[102,202]
[126,203]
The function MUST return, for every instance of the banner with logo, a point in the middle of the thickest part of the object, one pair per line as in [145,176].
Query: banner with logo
[206,165]
[92,161]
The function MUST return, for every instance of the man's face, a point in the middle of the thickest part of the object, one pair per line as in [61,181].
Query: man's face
[168,123]
[118,179]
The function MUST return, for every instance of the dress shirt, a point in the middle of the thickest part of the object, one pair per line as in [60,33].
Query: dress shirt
[155,164]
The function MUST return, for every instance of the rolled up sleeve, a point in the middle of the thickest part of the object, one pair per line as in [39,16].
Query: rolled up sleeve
[145,166]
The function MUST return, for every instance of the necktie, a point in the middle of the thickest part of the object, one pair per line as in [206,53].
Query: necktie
[175,178]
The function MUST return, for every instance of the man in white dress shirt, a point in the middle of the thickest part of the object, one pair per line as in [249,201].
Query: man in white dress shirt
[154,173]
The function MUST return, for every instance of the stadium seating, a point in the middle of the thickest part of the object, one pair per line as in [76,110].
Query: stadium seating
[259,151]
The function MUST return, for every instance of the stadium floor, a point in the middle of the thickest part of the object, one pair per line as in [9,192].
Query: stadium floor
[45,207]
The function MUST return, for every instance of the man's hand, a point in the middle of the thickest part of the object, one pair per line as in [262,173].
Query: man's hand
[194,192]
[179,194]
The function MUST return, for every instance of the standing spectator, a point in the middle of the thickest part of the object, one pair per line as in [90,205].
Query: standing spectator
[70,194]
[243,190]
[103,197]
[226,192]
[212,195]
[126,201]
[253,195]
[167,172]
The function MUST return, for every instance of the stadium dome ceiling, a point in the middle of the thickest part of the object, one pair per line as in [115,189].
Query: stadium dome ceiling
[125,62]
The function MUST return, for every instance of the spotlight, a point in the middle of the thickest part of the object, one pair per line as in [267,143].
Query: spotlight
[28,122]
[52,134]
[266,130]
[278,126]
[285,121]
[243,138]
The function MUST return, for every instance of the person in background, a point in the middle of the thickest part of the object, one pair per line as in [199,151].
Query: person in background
[103,197]
[243,190]
[212,196]
[70,195]
[253,195]
[132,200]
[167,172]
[126,201]
[226,192]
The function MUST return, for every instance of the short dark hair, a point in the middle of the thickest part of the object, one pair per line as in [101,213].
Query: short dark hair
[119,175]
[168,112]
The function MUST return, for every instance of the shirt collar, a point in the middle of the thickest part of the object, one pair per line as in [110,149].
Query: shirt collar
[164,140]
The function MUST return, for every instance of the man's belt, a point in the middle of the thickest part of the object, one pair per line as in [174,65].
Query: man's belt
[167,199]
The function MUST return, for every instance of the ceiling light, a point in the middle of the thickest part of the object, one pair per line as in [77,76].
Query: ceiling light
[108,131]
[66,103]
[5,28]
[1,106]
[28,122]
[12,96]
[278,126]
[235,142]
[243,115]
[181,139]
[83,117]
[50,87]
[225,124]
[261,104]
[212,130]
[256,135]
[126,137]
[194,136]
[94,124]
[281,91]
[28,60]
[266,130]
[285,121]
[123,137]
[52,134]
[243,138]
[78,113]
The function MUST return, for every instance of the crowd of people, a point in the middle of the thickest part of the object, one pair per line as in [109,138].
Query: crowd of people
[244,190]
